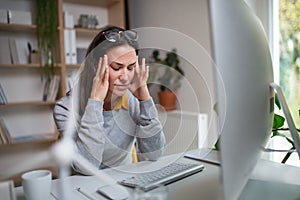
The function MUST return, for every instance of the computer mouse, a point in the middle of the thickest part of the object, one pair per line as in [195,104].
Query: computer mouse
[114,192]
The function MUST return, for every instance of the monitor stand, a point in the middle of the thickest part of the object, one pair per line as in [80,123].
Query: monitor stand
[260,189]
[288,116]
[266,189]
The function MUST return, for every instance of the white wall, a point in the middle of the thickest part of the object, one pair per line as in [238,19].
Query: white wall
[189,21]
[190,18]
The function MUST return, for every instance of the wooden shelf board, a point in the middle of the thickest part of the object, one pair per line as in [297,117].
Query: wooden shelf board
[73,65]
[32,103]
[86,30]
[101,3]
[33,65]
[20,65]
[17,27]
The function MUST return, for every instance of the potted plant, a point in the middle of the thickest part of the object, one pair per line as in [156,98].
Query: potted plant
[46,35]
[168,75]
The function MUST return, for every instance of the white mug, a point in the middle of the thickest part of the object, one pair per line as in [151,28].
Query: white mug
[37,184]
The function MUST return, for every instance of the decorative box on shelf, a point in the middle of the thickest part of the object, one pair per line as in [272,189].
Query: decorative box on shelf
[19,17]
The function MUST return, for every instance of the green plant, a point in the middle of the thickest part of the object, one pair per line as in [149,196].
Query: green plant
[279,130]
[46,35]
[169,68]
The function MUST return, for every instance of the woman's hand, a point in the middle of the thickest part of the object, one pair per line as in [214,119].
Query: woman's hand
[100,81]
[138,87]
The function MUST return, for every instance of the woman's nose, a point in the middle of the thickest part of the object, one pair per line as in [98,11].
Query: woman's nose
[124,75]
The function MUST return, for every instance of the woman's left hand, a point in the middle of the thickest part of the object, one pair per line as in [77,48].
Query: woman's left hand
[138,87]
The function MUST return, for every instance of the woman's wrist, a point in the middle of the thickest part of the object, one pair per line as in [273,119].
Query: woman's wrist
[142,94]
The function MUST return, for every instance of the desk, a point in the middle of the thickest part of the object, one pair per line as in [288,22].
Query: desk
[203,185]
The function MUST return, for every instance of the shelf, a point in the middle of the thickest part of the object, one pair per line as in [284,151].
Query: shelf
[50,138]
[35,139]
[73,65]
[19,65]
[25,66]
[17,27]
[32,103]
[87,30]
[40,138]
[101,3]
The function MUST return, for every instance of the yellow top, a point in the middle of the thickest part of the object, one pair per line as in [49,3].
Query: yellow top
[123,103]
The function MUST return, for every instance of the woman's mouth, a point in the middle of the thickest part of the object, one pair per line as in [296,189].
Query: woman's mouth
[120,87]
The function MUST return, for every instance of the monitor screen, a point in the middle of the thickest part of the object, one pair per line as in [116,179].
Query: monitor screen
[243,59]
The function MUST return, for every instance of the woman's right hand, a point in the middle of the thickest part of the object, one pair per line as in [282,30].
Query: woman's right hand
[100,81]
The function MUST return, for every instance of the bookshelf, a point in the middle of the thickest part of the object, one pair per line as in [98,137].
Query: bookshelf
[22,83]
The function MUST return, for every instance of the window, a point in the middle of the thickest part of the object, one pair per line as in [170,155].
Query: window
[286,55]
[289,46]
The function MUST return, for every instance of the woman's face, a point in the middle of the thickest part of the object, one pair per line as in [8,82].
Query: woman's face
[121,60]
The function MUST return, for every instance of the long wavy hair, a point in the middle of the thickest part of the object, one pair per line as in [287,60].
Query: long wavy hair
[98,48]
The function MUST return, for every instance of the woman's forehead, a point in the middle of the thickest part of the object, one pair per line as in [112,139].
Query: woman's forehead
[121,54]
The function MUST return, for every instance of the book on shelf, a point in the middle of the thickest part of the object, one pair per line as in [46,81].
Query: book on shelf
[3,99]
[29,138]
[5,135]
[80,54]
[3,16]
[13,51]
[71,81]
[19,17]
[68,20]
[73,47]
[70,46]
[67,47]
[5,57]
[18,51]
[46,88]
[51,88]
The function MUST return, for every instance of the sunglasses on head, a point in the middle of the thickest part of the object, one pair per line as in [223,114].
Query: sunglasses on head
[116,35]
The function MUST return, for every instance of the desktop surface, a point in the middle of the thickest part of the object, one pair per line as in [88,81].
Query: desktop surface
[205,185]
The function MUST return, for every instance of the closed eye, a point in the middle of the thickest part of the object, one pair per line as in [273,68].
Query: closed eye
[131,66]
[117,66]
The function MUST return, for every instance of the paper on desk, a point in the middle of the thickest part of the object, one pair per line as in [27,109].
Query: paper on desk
[70,185]
[205,155]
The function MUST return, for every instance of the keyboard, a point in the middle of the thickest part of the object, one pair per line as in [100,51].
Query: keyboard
[168,174]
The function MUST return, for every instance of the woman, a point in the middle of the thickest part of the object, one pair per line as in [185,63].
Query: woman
[116,110]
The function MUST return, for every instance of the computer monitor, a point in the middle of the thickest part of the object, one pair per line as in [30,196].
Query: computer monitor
[242,57]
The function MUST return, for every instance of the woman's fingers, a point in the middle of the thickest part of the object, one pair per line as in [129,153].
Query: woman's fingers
[106,75]
[145,69]
[141,70]
[137,68]
[103,66]
[98,72]
[146,72]
[100,85]
[143,64]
